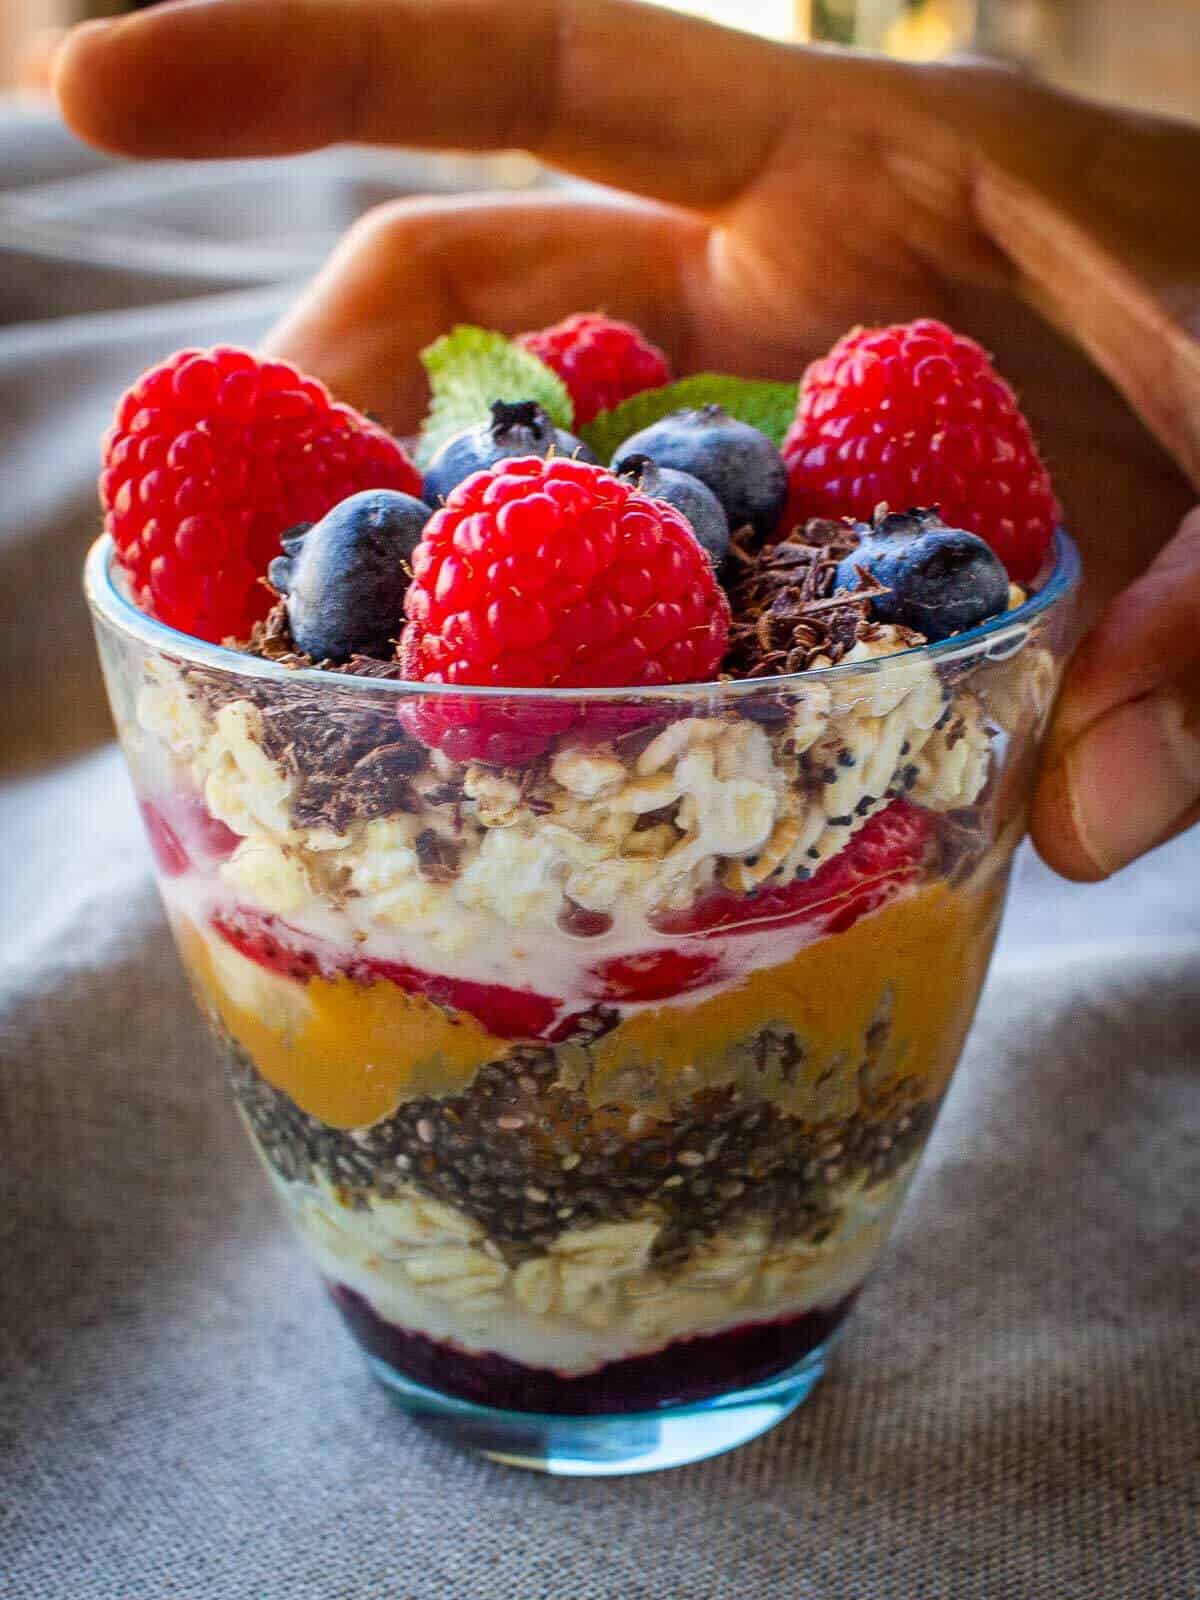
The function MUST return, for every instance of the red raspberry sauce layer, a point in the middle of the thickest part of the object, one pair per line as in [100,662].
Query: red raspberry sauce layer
[888,856]
[681,1373]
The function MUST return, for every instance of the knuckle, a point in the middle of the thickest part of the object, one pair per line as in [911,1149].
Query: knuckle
[388,224]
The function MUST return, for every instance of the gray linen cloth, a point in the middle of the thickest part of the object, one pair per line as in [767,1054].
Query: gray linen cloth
[1014,1412]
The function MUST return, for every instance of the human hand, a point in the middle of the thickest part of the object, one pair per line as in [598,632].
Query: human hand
[784,195]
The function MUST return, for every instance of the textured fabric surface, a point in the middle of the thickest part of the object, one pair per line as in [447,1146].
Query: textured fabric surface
[1013,1414]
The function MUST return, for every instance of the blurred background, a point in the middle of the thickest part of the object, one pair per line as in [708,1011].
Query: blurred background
[1141,52]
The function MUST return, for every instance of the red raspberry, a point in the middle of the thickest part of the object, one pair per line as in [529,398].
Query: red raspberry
[211,457]
[601,361]
[916,415]
[282,949]
[264,939]
[552,574]
[654,975]
[183,832]
[887,855]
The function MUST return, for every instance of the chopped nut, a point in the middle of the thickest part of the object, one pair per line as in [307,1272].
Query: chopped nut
[497,799]
[587,772]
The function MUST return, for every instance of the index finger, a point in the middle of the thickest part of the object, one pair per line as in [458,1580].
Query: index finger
[620,92]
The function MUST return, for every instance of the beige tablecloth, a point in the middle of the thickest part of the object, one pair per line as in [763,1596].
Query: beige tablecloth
[1014,1413]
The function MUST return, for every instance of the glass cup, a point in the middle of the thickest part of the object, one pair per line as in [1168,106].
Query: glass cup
[589,1039]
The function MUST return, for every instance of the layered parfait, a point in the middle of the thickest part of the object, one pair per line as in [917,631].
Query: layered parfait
[588,870]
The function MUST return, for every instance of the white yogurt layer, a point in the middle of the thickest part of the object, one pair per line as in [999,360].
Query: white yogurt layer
[593,1297]
[554,964]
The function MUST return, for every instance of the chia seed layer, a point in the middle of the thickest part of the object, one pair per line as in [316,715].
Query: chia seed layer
[524,1154]
[681,1373]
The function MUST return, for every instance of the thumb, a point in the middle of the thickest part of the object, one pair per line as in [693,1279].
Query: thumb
[1122,770]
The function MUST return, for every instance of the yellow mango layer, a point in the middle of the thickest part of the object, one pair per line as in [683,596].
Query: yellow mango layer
[346,1052]
[919,961]
[350,1052]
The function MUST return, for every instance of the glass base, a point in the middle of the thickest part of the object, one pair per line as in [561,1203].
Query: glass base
[604,1447]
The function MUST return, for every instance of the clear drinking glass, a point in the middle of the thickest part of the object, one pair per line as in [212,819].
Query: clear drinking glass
[593,1084]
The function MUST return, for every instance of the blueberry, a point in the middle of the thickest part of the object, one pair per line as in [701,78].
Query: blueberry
[517,428]
[344,577]
[738,463]
[940,580]
[687,494]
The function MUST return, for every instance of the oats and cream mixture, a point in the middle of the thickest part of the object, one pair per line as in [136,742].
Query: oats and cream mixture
[469,857]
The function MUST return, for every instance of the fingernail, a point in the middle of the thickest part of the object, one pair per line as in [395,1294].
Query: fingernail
[1132,776]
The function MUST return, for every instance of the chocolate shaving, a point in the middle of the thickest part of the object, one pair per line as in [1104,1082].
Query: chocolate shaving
[368,667]
[350,763]
[787,615]
[378,784]
[352,760]
[272,640]
[437,858]
[652,819]
[529,778]
[445,794]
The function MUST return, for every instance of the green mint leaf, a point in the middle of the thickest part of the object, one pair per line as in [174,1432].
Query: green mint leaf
[770,407]
[469,368]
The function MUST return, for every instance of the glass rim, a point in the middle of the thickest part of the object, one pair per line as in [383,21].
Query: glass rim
[999,636]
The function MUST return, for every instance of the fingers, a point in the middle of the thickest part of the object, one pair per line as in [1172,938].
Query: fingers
[1122,772]
[1102,247]
[410,270]
[622,92]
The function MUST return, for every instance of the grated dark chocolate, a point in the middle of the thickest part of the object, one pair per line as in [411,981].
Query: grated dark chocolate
[272,640]
[437,857]
[352,762]
[352,759]
[786,614]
